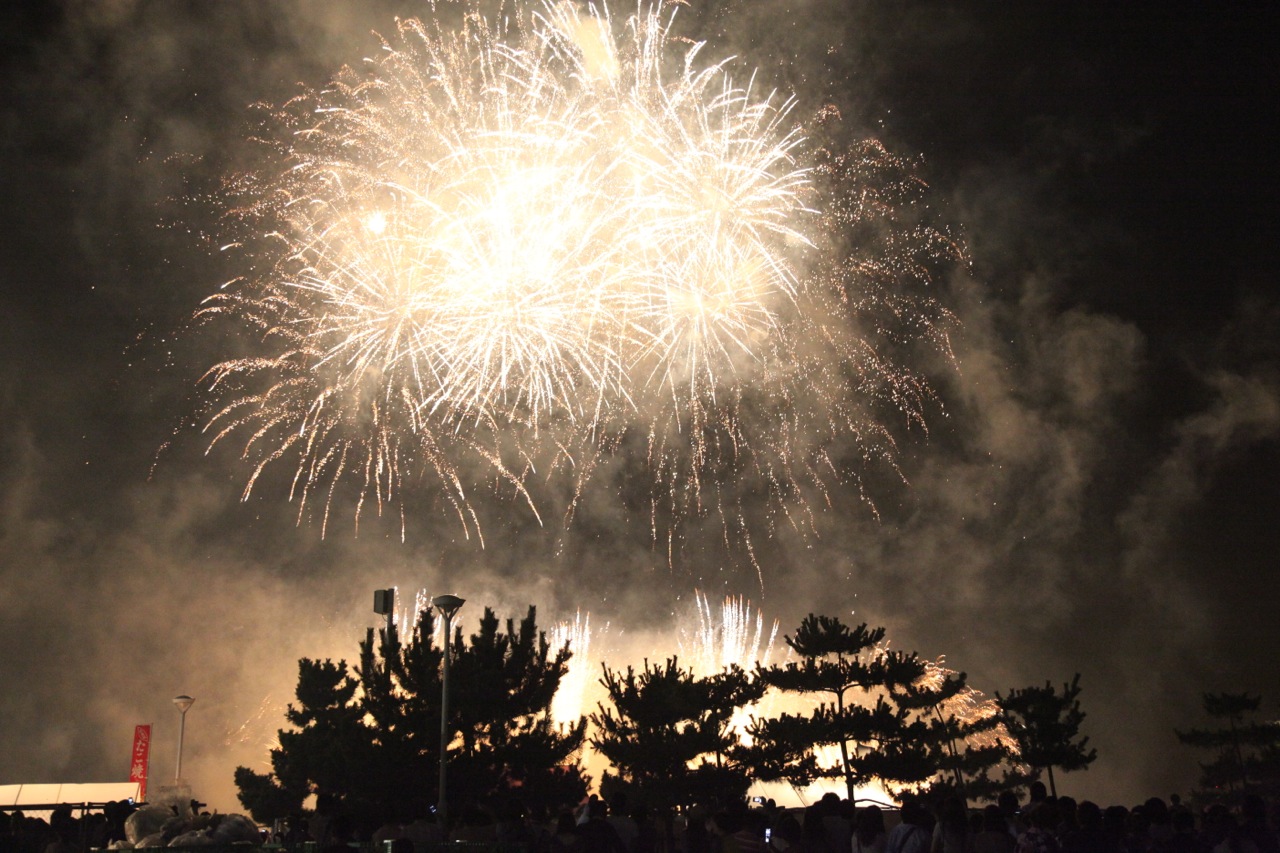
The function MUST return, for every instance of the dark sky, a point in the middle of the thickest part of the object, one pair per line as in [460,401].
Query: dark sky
[1096,494]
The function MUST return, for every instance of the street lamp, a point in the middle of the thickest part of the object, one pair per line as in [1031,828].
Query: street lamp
[447,605]
[184,703]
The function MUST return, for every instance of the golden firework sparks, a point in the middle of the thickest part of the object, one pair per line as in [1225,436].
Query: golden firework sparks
[502,242]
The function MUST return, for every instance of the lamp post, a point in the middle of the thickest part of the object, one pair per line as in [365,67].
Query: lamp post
[447,605]
[184,703]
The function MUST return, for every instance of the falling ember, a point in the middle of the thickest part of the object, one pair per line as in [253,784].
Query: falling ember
[505,248]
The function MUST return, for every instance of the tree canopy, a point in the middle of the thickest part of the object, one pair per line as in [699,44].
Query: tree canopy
[370,738]
[867,695]
[1248,750]
[667,733]
[1046,726]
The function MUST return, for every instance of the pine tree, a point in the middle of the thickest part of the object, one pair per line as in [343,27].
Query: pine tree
[666,732]
[371,739]
[1046,725]
[846,667]
[501,688]
[329,750]
[1247,750]
[966,734]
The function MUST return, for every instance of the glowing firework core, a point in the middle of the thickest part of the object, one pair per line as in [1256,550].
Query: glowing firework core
[492,241]
[514,232]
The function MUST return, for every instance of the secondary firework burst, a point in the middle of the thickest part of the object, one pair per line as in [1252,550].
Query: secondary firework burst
[497,249]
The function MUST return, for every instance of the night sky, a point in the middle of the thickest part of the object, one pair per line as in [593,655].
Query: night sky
[1096,492]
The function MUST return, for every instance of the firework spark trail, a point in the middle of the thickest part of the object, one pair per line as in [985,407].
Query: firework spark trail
[503,247]
[570,701]
[733,633]
[250,730]
[708,639]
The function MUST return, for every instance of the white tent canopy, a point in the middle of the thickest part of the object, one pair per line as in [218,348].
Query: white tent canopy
[57,793]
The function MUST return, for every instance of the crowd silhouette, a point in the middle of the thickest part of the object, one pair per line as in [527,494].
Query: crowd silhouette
[1040,824]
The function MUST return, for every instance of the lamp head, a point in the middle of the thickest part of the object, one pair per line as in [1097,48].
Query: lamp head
[447,604]
[183,702]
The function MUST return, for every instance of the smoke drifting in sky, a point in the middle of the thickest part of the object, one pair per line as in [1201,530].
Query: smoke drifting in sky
[1095,494]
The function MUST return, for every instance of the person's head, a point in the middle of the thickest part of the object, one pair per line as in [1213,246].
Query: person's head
[814,828]
[565,824]
[1089,815]
[952,813]
[1045,816]
[1156,811]
[830,803]
[868,824]
[60,821]
[788,829]
[1037,792]
[1115,820]
[914,813]
[993,819]
[726,822]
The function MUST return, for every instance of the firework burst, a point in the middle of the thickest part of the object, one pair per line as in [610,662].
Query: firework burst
[500,249]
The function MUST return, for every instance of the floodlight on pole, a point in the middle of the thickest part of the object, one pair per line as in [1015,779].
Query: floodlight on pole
[384,604]
[183,703]
[448,606]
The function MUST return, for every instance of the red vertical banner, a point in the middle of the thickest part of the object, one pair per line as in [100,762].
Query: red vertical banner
[141,759]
